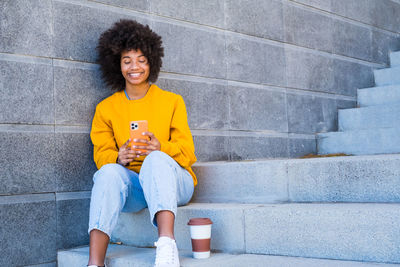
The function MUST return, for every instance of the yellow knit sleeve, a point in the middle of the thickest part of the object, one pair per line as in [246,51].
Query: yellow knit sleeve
[180,146]
[104,145]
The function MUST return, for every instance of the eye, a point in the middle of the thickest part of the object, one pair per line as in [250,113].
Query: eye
[142,59]
[127,62]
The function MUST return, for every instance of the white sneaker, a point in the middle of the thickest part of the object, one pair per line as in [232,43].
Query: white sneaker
[167,253]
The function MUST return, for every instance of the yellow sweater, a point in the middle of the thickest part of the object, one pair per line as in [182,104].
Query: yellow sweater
[167,119]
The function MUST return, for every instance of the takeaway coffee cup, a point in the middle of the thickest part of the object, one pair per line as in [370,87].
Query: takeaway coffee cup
[200,232]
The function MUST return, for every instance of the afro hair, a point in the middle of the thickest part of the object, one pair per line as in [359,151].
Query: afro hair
[127,35]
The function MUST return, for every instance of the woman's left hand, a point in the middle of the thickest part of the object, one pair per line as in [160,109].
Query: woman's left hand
[152,145]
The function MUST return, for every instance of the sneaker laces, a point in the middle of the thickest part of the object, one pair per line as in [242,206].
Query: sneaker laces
[166,253]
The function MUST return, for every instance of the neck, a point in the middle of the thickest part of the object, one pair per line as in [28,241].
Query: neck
[137,91]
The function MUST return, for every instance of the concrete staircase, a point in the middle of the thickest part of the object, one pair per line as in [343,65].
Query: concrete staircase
[342,211]
[374,127]
[345,211]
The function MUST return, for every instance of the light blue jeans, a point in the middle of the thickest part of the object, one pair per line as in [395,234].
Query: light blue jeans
[162,184]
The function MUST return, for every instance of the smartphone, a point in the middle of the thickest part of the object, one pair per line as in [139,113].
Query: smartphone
[136,128]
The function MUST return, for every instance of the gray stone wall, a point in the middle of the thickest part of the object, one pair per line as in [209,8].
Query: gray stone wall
[259,78]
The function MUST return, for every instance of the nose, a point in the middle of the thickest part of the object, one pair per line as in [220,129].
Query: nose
[134,65]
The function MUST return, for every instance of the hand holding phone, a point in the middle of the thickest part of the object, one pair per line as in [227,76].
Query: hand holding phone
[125,154]
[151,145]
[136,130]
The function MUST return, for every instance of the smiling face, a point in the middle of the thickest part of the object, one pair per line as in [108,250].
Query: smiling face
[135,67]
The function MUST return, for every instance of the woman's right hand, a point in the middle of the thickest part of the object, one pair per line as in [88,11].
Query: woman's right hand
[126,154]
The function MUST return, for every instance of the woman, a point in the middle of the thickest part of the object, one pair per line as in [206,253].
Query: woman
[159,175]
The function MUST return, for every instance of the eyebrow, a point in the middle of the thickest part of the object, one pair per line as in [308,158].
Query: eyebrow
[129,57]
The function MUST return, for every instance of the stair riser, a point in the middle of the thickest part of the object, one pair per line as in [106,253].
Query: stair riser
[72,259]
[378,96]
[243,182]
[369,118]
[366,142]
[296,180]
[364,232]
[227,231]
[346,231]
[390,76]
[395,59]
[345,179]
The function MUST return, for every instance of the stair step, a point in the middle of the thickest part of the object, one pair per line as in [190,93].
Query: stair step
[341,231]
[259,181]
[389,76]
[360,142]
[378,95]
[395,59]
[124,256]
[135,229]
[386,116]
[368,178]
[300,180]
[345,231]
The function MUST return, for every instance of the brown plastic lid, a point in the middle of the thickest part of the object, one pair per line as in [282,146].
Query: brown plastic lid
[199,221]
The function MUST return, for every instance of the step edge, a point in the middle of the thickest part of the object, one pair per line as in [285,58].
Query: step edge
[362,109]
[354,157]
[395,68]
[228,256]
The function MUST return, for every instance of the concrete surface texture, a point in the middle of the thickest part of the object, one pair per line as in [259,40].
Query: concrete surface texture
[372,128]
[259,79]
[395,59]
[389,76]
[380,95]
[360,233]
[371,179]
[125,256]
[345,231]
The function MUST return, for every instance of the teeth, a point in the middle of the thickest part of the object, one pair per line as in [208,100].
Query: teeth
[134,74]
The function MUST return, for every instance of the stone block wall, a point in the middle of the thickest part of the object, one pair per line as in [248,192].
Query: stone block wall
[259,78]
